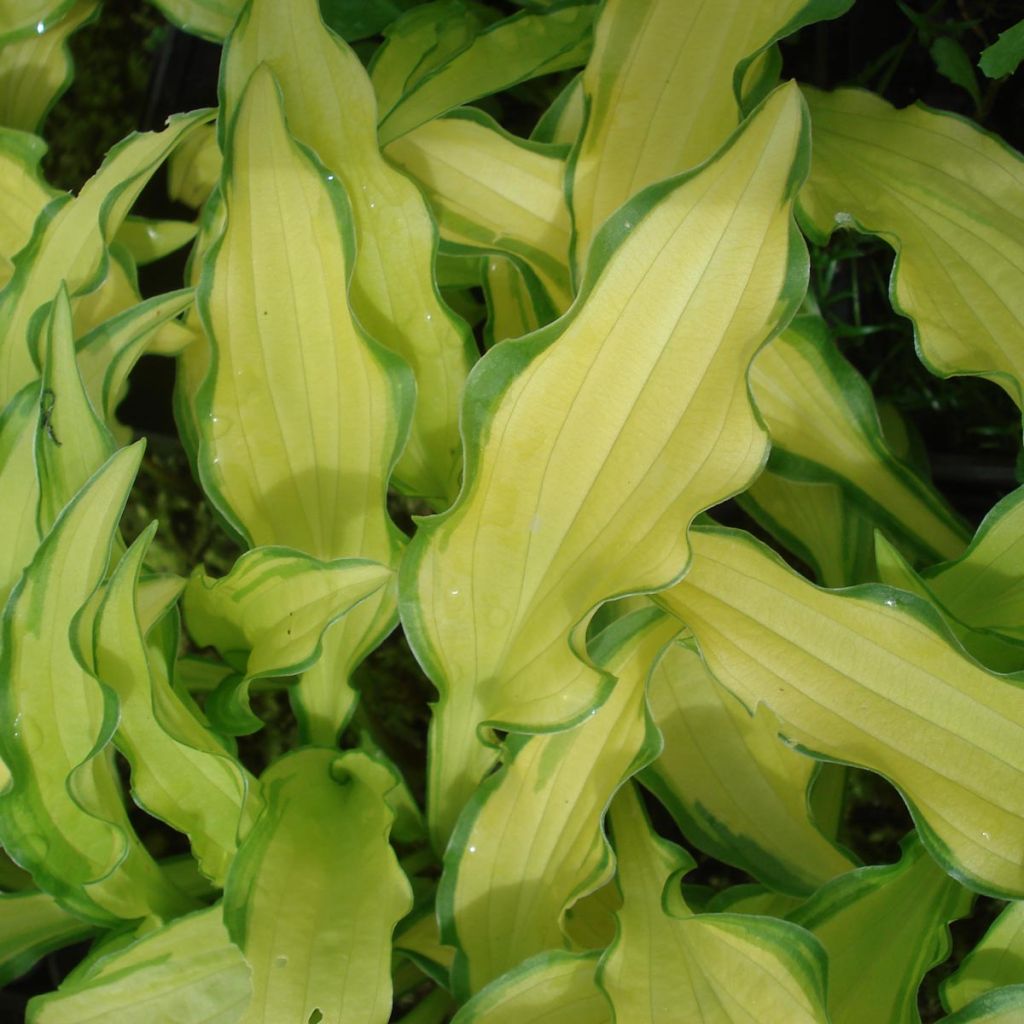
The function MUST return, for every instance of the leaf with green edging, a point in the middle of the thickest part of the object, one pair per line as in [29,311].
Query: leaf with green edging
[1000,1006]
[19,485]
[733,787]
[390,273]
[551,988]
[946,196]
[883,929]
[37,69]
[593,442]
[996,960]
[823,423]
[869,677]
[62,816]
[268,616]
[502,55]
[315,892]
[180,772]
[69,243]
[667,964]
[530,841]
[490,190]
[662,92]
[188,970]
[25,193]
[33,924]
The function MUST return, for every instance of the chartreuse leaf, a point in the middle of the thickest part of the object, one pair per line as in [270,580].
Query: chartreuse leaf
[267,617]
[823,424]
[19,486]
[667,965]
[550,988]
[24,196]
[31,925]
[210,19]
[753,899]
[304,414]
[194,168]
[817,521]
[946,196]
[20,18]
[529,843]
[392,288]
[590,921]
[883,928]
[1000,1006]
[580,472]
[71,440]
[992,650]
[516,302]
[997,960]
[69,243]
[188,970]
[107,353]
[316,890]
[490,190]
[753,813]
[414,44]
[150,240]
[421,942]
[662,91]
[869,677]
[985,587]
[61,815]
[180,772]
[502,55]
[35,70]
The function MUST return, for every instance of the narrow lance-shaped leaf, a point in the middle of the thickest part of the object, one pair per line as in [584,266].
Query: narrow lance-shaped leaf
[734,788]
[180,772]
[516,303]
[188,970]
[36,69]
[869,677]
[315,892]
[661,92]
[392,288]
[492,191]
[69,243]
[824,425]
[301,415]
[71,440]
[946,196]
[530,842]
[997,960]
[883,928]
[61,815]
[592,443]
[667,964]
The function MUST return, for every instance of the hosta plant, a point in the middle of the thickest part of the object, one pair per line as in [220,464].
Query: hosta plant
[604,652]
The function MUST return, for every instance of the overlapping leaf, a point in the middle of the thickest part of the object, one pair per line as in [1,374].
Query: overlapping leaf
[315,892]
[667,964]
[883,928]
[732,785]
[61,815]
[392,288]
[946,196]
[593,442]
[530,841]
[869,677]
[996,960]
[663,89]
